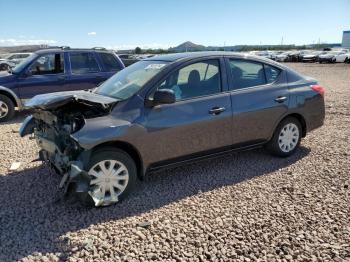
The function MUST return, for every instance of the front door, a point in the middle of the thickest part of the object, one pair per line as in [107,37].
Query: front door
[45,75]
[199,120]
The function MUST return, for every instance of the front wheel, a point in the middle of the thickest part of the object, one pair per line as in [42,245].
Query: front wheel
[7,108]
[286,138]
[113,174]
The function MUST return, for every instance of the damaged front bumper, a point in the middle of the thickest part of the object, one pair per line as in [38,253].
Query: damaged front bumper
[74,178]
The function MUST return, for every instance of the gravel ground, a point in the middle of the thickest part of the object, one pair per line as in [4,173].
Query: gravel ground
[244,207]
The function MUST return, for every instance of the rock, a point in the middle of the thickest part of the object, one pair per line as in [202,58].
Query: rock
[140,235]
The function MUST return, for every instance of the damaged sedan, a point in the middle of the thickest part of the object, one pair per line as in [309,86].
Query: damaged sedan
[169,110]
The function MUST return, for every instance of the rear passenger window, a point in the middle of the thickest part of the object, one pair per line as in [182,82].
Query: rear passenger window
[110,62]
[246,73]
[271,73]
[82,63]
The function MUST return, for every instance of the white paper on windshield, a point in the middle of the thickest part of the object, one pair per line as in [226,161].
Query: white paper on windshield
[154,66]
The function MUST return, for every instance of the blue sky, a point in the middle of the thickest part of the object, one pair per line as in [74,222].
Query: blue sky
[164,23]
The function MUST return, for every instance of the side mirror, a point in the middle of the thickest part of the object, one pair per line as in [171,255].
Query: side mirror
[163,96]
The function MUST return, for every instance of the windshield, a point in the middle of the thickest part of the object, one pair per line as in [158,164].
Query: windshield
[130,80]
[18,68]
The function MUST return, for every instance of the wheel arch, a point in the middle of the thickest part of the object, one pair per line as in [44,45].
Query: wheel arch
[129,149]
[300,118]
[11,95]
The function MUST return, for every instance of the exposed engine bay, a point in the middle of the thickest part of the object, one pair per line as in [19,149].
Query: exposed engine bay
[52,123]
[53,129]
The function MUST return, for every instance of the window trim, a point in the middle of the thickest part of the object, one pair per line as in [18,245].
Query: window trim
[230,78]
[86,52]
[223,76]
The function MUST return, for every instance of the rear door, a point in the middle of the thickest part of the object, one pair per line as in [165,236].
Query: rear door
[200,119]
[45,75]
[259,94]
[84,70]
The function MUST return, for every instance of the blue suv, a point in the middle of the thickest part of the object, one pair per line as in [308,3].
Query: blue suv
[55,70]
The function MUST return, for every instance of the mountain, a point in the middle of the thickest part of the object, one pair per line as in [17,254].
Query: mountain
[187,47]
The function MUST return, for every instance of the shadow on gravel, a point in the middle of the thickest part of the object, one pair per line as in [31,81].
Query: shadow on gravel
[18,118]
[34,219]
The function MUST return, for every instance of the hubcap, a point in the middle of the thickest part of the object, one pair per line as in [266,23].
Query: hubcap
[288,137]
[3,109]
[109,178]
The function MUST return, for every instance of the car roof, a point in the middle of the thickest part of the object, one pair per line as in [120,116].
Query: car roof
[58,50]
[192,55]
[188,55]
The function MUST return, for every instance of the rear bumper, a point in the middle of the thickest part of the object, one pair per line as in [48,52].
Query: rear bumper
[316,116]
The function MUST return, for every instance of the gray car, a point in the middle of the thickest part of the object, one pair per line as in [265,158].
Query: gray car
[169,110]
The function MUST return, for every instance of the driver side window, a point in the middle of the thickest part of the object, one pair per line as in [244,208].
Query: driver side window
[47,64]
[194,80]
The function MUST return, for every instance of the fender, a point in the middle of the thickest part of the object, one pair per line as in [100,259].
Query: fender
[19,103]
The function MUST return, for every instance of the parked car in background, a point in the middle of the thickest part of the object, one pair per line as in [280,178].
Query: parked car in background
[54,70]
[334,56]
[283,57]
[294,56]
[169,110]
[266,54]
[312,56]
[128,59]
[11,60]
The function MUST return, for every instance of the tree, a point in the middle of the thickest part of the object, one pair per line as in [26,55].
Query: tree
[138,50]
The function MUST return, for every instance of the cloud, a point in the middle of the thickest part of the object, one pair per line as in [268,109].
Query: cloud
[23,41]
[92,33]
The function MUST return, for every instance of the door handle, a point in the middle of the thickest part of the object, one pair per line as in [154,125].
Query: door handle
[281,99]
[217,110]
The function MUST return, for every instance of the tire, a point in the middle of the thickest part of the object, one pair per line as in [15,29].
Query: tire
[346,60]
[7,108]
[120,161]
[275,145]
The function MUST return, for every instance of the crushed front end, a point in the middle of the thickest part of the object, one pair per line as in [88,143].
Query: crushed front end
[54,119]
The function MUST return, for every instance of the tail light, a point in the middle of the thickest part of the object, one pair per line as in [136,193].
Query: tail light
[319,89]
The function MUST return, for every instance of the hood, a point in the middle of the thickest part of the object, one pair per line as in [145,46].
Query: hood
[59,99]
[6,77]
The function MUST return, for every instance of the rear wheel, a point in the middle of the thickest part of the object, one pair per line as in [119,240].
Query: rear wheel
[113,174]
[286,138]
[7,108]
